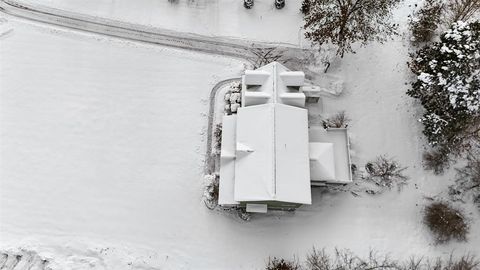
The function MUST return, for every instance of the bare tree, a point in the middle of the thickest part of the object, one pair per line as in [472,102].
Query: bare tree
[461,10]
[343,22]
[265,56]
[468,179]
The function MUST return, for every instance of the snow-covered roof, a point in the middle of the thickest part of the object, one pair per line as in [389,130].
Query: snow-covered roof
[322,161]
[272,154]
[227,161]
[273,83]
[229,125]
[338,137]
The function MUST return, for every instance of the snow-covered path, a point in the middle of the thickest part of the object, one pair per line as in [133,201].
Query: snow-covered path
[213,18]
[237,48]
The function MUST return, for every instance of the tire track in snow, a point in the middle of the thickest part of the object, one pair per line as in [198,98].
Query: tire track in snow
[236,48]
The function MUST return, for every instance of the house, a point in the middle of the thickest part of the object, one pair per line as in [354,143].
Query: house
[267,160]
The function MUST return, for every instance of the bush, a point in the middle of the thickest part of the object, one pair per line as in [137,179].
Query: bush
[344,259]
[386,173]
[339,120]
[281,264]
[425,21]
[306,6]
[217,135]
[445,222]
[318,260]
[233,98]
[436,160]
[210,194]
[243,214]
[466,262]
[468,179]
[448,87]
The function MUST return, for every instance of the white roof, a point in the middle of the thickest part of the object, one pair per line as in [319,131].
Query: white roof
[341,150]
[229,124]
[227,161]
[272,161]
[322,161]
[273,83]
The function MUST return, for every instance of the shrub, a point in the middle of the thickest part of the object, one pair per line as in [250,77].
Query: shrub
[343,259]
[282,264]
[468,179]
[243,214]
[210,193]
[346,260]
[233,98]
[425,21]
[386,173]
[339,120]
[436,160]
[465,262]
[306,6]
[318,260]
[448,87]
[445,222]
[217,134]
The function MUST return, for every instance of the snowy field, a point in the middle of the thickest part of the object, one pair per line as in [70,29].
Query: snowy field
[102,143]
[226,18]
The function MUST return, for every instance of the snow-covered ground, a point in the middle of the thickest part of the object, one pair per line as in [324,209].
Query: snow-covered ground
[101,156]
[227,18]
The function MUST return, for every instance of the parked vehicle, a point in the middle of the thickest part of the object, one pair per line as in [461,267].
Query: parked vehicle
[279,4]
[248,4]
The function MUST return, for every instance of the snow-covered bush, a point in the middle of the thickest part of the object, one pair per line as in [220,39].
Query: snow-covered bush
[282,264]
[344,22]
[217,136]
[210,193]
[386,173]
[448,87]
[339,120]
[445,222]
[243,214]
[233,98]
[425,21]
[210,197]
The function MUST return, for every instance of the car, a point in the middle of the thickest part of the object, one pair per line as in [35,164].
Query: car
[248,4]
[279,4]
